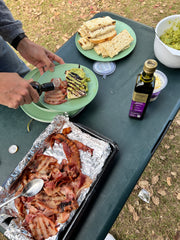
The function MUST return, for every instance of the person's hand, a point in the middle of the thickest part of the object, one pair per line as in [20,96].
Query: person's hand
[38,56]
[16,91]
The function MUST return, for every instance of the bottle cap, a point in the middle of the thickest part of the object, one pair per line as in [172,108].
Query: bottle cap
[104,68]
[13,149]
[150,66]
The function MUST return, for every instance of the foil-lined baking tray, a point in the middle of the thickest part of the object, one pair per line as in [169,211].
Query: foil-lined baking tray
[95,167]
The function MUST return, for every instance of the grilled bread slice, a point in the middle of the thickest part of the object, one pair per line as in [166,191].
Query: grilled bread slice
[111,48]
[100,50]
[101,31]
[104,37]
[97,23]
[85,43]
[84,32]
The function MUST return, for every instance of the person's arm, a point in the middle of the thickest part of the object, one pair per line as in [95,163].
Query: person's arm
[37,55]
[9,27]
[12,32]
[16,91]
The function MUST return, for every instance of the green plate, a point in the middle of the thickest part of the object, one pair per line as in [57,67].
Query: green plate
[38,111]
[120,26]
[43,115]
[72,104]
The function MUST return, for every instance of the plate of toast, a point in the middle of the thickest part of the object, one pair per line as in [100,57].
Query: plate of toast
[105,39]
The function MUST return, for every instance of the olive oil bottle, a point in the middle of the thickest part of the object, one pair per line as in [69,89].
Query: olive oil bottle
[143,90]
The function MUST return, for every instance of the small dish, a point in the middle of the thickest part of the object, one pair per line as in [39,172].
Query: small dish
[161,82]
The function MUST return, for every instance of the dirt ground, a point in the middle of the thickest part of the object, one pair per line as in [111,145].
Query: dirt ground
[51,23]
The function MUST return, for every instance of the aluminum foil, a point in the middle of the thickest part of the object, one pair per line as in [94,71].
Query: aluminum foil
[91,166]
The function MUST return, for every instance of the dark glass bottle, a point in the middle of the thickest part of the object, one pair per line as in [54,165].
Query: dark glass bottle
[43,87]
[143,90]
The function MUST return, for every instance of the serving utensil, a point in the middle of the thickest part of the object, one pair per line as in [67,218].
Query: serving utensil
[32,188]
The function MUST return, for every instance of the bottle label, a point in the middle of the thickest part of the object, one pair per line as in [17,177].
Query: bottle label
[138,104]
[140,97]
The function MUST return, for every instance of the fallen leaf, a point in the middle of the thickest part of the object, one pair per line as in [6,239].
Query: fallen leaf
[171,137]
[178,121]
[166,146]
[155,179]
[134,213]
[52,19]
[174,11]
[169,181]
[162,157]
[41,2]
[136,187]
[157,5]
[177,237]
[58,46]
[135,216]
[136,19]
[155,200]
[174,174]
[137,203]
[162,192]
[159,238]
[151,191]
[131,208]
[56,13]
[93,11]
[148,208]
[178,196]
[143,184]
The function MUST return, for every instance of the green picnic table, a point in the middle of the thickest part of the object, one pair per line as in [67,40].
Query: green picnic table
[108,115]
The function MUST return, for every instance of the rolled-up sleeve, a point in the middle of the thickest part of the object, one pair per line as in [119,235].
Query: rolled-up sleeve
[9,27]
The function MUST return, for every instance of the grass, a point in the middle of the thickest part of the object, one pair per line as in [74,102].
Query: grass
[51,23]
